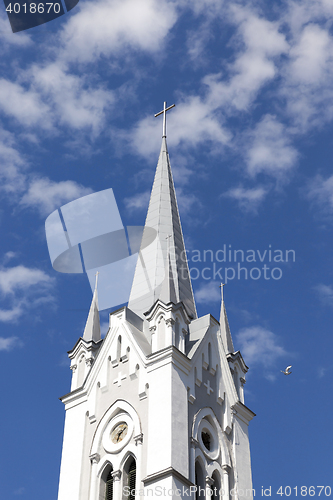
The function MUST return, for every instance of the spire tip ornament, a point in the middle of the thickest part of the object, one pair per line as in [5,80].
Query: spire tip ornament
[164,110]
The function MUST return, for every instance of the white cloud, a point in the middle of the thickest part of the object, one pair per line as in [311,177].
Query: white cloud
[50,93]
[199,119]
[7,344]
[207,293]
[254,65]
[9,256]
[187,202]
[24,105]
[325,293]
[320,192]
[310,56]
[22,289]
[248,199]
[20,277]
[308,71]
[110,26]
[12,163]
[260,346]
[73,100]
[270,150]
[12,314]
[9,38]
[47,195]
[41,193]
[137,202]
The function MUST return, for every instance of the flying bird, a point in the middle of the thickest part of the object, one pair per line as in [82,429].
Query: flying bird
[287,370]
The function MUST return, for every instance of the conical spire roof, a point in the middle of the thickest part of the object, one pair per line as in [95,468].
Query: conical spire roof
[162,269]
[92,329]
[224,327]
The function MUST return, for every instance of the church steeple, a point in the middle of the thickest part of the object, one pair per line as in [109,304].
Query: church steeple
[162,270]
[158,404]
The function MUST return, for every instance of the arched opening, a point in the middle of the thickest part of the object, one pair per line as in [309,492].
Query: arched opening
[81,370]
[109,486]
[129,480]
[106,488]
[199,481]
[177,337]
[236,380]
[216,486]
[161,334]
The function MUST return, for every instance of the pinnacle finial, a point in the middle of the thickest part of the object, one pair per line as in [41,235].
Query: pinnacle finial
[96,280]
[221,286]
[164,110]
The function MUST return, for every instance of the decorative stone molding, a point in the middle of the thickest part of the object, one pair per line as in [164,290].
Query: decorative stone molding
[205,365]
[184,331]
[170,322]
[144,393]
[152,329]
[191,398]
[209,388]
[95,458]
[219,400]
[89,361]
[209,481]
[228,429]
[92,419]
[194,443]
[73,368]
[169,472]
[226,468]
[116,475]
[242,381]
[138,439]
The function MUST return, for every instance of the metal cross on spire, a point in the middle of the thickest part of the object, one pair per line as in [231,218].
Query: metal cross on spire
[164,110]
[221,286]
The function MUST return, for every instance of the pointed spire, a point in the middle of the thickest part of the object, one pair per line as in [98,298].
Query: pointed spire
[162,269]
[224,326]
[92,329]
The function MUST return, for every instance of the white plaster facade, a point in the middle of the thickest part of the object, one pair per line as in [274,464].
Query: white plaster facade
[170,378]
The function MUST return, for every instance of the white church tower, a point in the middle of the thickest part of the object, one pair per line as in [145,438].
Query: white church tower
[157,409]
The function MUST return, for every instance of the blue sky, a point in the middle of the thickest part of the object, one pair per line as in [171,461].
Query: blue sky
[250,143]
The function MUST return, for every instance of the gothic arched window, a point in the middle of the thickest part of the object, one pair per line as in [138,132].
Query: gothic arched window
[216,486]
[109,486]
[130,477]
[199,481]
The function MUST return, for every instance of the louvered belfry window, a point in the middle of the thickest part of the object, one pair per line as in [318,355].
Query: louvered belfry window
[132,479]
[109,487]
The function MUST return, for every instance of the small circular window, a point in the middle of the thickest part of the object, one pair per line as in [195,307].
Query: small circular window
[206,439]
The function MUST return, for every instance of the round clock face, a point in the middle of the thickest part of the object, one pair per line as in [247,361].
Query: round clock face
[119,432]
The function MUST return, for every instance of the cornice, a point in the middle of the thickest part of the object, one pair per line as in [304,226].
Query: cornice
[170,471]
[169,307]
[89,346]
[243,412]
[167,355]
[236,356]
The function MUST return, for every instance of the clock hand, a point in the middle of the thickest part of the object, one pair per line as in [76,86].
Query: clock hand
[119,434]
